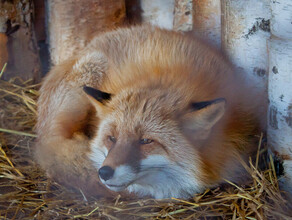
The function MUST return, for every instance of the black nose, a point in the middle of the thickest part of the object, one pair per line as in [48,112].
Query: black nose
[106,173]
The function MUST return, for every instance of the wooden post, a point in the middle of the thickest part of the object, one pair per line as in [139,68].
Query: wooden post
[245,31]
[207,20]
[20,49]
[280,86]
[3,42]
[3,50]
[71,24]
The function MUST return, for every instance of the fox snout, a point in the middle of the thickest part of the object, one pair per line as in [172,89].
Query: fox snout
[106,172]
[118,178]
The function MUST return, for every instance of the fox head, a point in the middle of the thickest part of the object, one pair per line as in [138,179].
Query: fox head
[148,140]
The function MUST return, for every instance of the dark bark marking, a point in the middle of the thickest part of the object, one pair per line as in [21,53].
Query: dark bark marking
[273,122]
[288,118]
[275,70]
[260,24]
[259,71]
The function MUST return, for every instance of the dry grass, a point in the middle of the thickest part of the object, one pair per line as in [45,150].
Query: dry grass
[26,193]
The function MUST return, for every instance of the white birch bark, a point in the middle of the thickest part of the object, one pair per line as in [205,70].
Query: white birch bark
[281,21]
[280,86]
[245,31]
[207,20]
[158,12]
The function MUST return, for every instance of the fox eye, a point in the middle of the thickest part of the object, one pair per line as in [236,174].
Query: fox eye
[112,139]
[145,141]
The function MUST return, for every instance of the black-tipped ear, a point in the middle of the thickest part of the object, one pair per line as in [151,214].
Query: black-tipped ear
[97,94]
[200,105]
[202,116]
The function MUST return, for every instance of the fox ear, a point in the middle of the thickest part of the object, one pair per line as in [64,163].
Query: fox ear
[97,94]
[97,97]
[203,116]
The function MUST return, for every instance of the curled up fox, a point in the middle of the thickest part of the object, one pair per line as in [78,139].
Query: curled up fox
[146,112]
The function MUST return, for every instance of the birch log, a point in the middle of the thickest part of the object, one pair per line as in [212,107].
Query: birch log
[158,12]
[183,15]
[71,24]
[207,20]
[280,86]
[245,31]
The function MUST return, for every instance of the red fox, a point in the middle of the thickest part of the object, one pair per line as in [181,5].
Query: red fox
[148,112]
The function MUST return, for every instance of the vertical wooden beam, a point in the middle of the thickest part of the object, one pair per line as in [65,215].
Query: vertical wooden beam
[71,24]
[280,86]
[3,41]
[245,31]
[23,59]
[40,33]
[3,50]
[207,20]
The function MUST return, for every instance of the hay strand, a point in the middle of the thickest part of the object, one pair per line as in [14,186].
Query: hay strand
[9,161]
[26,193]
[3,69]
[17,132]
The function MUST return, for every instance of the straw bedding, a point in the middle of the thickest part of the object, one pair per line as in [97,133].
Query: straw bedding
[26,193]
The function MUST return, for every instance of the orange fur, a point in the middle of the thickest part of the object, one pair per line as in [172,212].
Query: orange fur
[162,69]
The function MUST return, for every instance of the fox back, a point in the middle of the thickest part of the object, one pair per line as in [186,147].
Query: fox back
[146,111]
